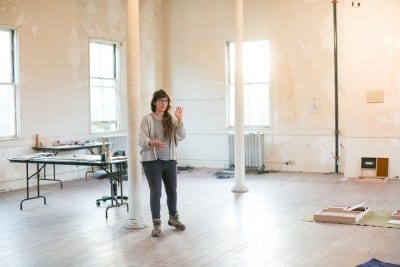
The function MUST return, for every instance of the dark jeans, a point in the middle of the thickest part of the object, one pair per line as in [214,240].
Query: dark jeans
[156,171]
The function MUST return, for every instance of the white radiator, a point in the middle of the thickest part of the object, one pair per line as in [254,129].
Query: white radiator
[254,151]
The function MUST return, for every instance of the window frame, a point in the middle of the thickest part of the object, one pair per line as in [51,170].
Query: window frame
[231,84]
[14,82]
[115,79]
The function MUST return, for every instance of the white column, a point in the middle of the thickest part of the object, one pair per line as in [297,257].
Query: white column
[239,186]
[135,219]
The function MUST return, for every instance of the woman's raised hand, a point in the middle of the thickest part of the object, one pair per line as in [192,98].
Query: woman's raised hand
[179,114]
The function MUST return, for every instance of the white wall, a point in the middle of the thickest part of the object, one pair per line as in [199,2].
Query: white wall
[183,51]
[301,38]
[53,39]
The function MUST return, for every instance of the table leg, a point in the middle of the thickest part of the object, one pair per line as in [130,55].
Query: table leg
[27,186]
[54,175]
[114,194]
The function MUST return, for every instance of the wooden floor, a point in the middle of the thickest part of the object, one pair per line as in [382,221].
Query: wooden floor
[262,227]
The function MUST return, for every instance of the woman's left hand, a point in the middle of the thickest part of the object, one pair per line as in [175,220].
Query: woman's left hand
[179,114]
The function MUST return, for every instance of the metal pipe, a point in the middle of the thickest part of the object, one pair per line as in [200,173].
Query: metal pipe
[334,2]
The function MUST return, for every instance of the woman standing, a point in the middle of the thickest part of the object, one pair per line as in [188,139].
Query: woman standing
[159,135]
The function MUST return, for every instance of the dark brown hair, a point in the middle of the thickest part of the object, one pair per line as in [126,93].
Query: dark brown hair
[167,119]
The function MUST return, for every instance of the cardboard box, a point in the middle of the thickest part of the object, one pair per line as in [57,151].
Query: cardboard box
[341,214]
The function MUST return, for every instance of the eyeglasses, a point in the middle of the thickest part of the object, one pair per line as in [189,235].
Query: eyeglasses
[162,100]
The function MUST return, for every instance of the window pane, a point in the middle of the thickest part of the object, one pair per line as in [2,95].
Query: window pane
[94,82]
[103,107]
[103,87]
[103,103]
[106,61]
[101,127]
[6,56]
[102,60]
[110,83]
[231,105]
[256,62]
[96,107]
[256,83]
[256,105]
[8,123]
[109,100]
[94,60]
[7,114]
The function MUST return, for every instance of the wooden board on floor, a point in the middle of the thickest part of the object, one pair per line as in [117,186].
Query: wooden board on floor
[395,215]
[340,214]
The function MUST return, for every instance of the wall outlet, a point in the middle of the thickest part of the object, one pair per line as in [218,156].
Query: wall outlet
[289,162]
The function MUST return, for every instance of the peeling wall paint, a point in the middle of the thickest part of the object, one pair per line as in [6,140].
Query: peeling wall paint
[74,52]
[185,53]
[301,75]
[53,42]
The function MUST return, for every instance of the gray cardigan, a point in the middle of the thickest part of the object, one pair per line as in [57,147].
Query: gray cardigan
[146,134]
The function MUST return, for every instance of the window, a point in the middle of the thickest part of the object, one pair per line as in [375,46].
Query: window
[103,87]
[256,69]
[8,86]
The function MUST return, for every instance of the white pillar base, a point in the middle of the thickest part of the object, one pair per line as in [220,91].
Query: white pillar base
[135,224]
[240,189]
